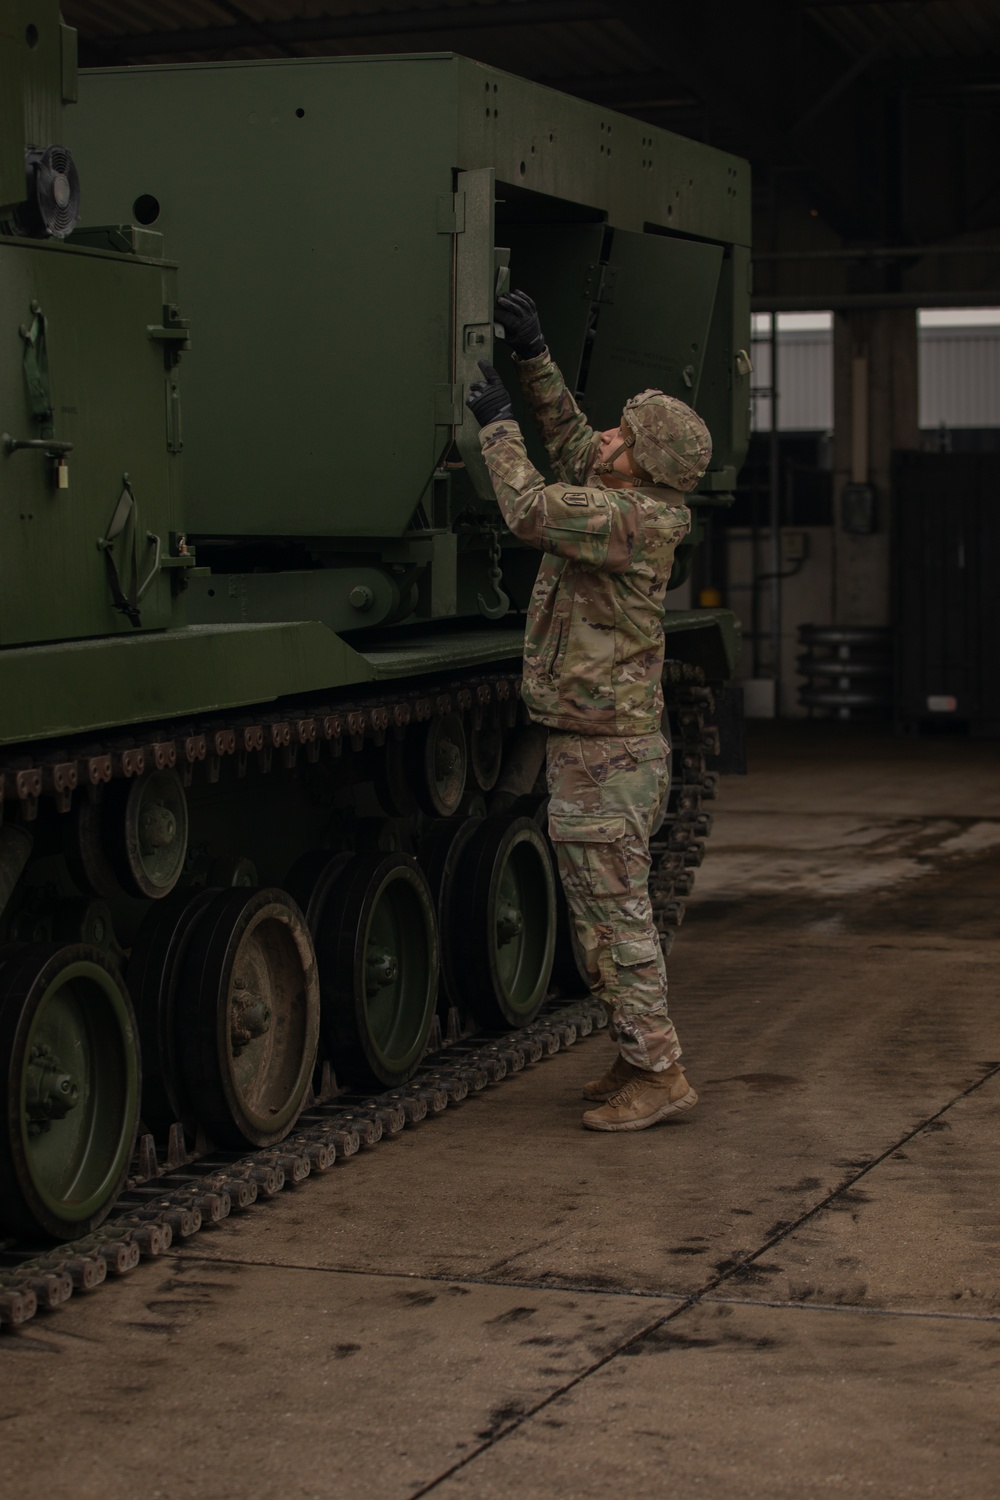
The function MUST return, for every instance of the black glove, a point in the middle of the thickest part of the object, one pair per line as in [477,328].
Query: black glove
[518,316]
[488,399]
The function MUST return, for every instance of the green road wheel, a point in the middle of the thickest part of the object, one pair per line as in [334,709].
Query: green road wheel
[146,828]
[379,961]
[249,1014]
[310,881]
[438,756]
[486,751]
[502,921]
[69,1090]
[439,856]
[85,848]
[233,870]
[154,976]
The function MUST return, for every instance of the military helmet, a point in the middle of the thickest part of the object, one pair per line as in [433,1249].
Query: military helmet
[670,442]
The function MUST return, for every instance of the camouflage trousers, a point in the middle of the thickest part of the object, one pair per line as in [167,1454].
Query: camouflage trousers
[605,797]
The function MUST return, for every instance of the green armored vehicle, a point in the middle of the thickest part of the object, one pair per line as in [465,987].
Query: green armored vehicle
[268,808]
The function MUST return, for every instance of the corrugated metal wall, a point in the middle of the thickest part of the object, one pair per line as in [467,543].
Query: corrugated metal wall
[959,377]
[805,381]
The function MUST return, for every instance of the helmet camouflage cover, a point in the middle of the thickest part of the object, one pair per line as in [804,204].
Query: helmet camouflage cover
[670,442]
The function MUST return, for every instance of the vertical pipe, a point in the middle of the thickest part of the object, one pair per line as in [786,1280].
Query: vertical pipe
[859,419]
[774,497]
[754,590]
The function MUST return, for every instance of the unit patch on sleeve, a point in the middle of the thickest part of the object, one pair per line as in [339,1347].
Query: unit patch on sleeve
[575,498]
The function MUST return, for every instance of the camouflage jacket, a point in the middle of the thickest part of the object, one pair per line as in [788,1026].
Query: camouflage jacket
[593,649]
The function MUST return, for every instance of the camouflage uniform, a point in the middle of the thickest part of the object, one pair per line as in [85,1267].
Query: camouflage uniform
[593,660]
[604,796]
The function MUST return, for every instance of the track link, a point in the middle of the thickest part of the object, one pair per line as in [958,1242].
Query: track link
[678,847]
[176,1201]
[186,1193]
[279,734]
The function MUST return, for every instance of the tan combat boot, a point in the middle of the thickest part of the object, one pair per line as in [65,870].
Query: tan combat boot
[644,1099]
[610,1081]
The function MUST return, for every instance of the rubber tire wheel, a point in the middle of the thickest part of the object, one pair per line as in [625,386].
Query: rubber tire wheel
[120,813]
[310,881]
[475,957]
[438,797]
[207,1057]
[439,856]
[29,978]
[569,972]
[84,847]
[349,916]
[486,747]
[154,979]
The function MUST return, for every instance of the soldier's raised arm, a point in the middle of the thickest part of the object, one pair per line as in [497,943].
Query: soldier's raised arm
[569,439]
[583,524]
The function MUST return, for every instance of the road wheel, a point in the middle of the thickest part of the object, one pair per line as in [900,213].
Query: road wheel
[250,1016]
[379,966]
[69,1090]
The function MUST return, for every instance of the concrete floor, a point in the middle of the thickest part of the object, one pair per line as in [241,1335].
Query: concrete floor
[794,1291]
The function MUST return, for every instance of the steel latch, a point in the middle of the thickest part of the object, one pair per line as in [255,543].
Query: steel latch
[174,333]
[51,447]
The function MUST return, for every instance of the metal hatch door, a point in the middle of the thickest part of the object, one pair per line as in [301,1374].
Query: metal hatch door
[553,264]
[656,296]
[474,291]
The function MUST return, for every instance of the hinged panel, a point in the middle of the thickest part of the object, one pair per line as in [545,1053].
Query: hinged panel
[550,263]
[653,330]
[447,405]
[107,383]
[475,277]
[451,213]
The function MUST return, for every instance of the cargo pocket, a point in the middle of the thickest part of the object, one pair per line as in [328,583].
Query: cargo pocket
[645,747]
[632,953]
[650,753]
[591,854]
[632,974]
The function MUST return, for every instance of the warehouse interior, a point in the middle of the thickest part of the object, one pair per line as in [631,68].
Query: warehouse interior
[795,1292]
[868,127]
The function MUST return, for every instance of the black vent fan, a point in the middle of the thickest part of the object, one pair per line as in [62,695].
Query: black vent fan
[52,206]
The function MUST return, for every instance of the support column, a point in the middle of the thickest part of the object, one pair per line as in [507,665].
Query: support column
[874,412]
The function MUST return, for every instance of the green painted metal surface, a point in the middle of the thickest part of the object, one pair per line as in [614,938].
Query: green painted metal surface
[338,221]
[113,399]
[304,203]
[707,638]
[376,201]
[649,335]
[79,686]
[437,653]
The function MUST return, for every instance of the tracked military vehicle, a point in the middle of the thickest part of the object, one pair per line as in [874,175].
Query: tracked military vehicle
[270,816]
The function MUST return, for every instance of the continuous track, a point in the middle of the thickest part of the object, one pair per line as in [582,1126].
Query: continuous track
[57,771]
[175,1198]
[175,1201]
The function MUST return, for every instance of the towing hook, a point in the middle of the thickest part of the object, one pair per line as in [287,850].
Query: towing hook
[494,611]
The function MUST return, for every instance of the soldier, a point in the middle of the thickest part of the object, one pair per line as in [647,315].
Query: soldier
[593,660]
